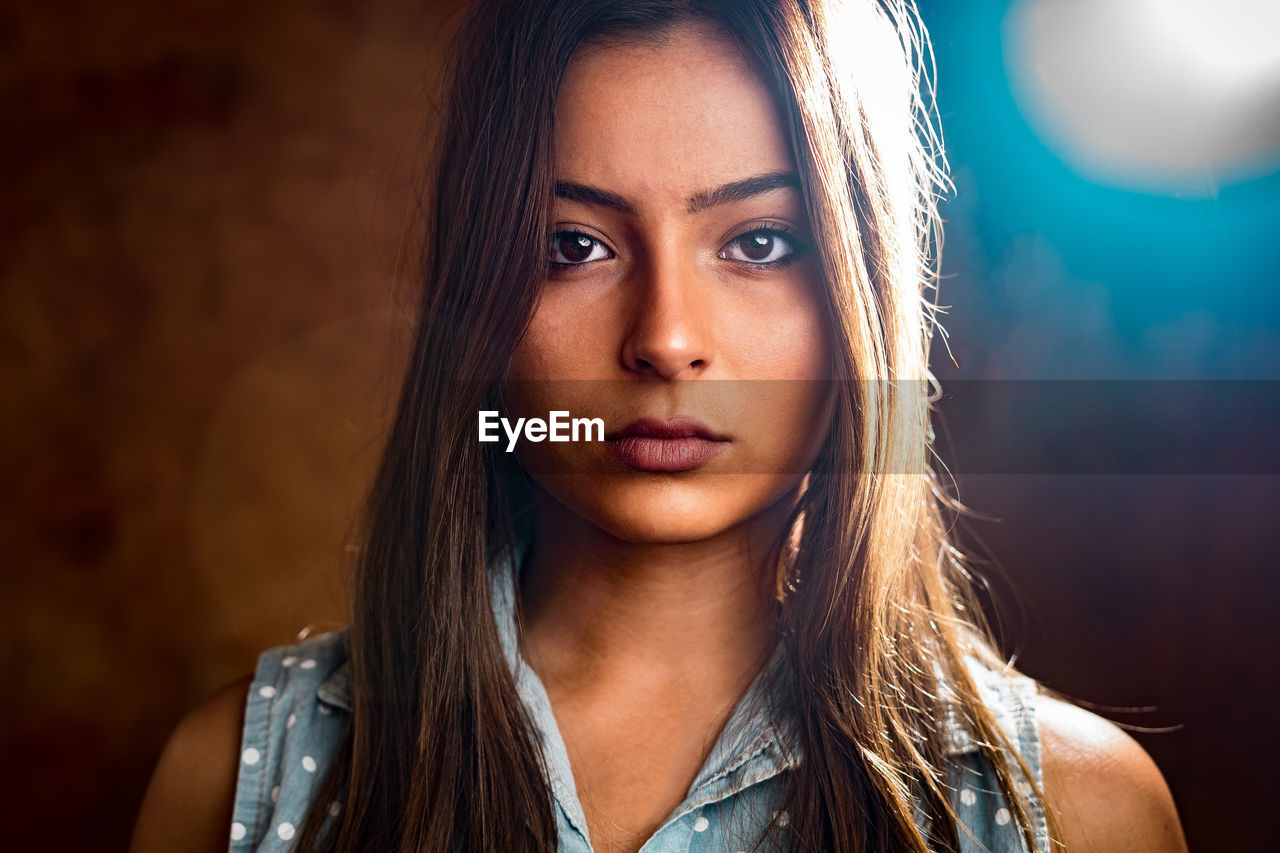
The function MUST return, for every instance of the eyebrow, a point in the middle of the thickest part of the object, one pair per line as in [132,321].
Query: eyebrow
[699,201]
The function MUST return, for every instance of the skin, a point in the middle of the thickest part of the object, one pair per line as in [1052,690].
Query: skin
[618,591]
[1108,793]
[656,585]
[189,801]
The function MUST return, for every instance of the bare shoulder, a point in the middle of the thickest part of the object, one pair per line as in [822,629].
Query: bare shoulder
[189,801]
[1107,792]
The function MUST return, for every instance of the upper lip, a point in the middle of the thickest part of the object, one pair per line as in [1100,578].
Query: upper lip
[681,426]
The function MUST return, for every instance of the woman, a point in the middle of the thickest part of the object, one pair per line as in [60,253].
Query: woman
[730,621]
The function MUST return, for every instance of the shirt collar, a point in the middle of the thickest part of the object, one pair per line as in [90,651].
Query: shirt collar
[336,689]
[746,735]
[748,738]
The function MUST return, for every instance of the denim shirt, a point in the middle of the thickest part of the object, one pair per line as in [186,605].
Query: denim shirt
[298,712]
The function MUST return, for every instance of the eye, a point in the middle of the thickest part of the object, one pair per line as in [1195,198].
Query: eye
[766,246]
[573,248]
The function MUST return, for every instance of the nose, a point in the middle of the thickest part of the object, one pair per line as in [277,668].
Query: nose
[670,333]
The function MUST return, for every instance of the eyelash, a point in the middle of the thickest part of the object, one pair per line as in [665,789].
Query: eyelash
[771,229]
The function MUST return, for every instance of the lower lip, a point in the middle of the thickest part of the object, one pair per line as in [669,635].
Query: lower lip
[647,453]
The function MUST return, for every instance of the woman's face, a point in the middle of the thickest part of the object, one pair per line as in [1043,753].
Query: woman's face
[681,288]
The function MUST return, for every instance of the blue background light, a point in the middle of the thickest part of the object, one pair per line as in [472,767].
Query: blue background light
[1055,274]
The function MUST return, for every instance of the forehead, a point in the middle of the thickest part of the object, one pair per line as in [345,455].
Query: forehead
[667,116]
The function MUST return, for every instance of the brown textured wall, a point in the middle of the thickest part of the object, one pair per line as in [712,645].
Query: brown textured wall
[203,205]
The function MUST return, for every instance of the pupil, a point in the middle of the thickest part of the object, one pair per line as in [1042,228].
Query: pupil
[758,246]
[576,247]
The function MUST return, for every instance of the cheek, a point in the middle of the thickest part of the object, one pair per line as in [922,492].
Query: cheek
[571,331]
[540,351]
[803,348]
[550,367]
[780,332]
[788,344]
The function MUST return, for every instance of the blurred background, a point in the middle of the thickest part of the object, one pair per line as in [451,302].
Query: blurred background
[202,291]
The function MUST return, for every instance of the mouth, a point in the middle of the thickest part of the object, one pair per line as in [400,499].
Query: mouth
[666,445]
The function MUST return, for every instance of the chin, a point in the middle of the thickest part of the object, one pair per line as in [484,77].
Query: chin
[665,509]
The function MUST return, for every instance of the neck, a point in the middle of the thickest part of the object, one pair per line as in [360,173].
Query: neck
[601,613]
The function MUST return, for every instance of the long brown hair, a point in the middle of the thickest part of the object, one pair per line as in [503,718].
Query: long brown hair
[879,615]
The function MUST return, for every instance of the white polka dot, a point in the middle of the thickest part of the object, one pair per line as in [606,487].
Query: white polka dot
[968,797]
[308,764]
[293,718]
[289,661]
[275,794]
[324,709]
[1002,816]
[237,831]
[285,831]
[309,663]
[334,808]
[251,756]
[701,824]
[266,692]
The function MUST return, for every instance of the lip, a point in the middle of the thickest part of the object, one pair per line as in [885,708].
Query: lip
[666,445]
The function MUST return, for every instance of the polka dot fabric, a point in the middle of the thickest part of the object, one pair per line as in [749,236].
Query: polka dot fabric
[298,711]
[296,716]
[977,799]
